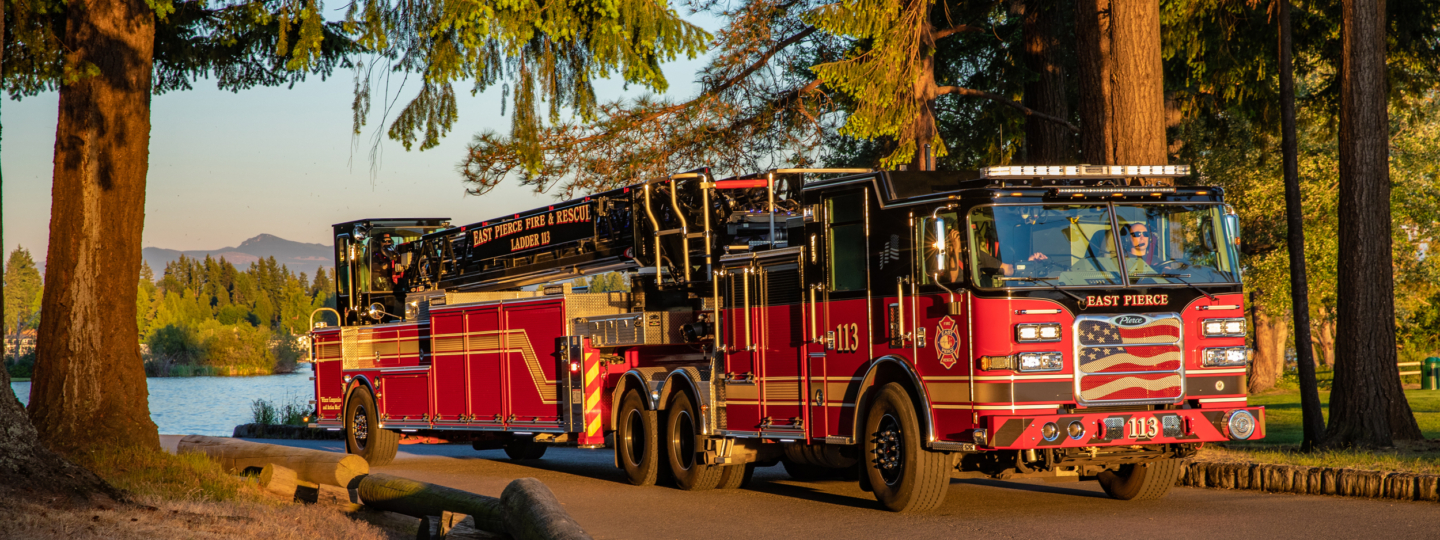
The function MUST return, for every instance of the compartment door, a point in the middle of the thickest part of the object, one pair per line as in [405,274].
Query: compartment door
[780,343]
[742,391]
[449,386]
[845,320]
[534,334]
[484,366]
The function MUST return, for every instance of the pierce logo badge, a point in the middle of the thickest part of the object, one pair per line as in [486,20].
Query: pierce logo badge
[1129,320]
[947,342]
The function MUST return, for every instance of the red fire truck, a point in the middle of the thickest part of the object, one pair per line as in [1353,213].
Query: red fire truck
[899,328]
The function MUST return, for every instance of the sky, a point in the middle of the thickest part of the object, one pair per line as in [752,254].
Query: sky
[225,167]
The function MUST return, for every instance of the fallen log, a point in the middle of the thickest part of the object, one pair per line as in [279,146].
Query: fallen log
[420,499]
[465,530]
[533,513]
[526,510]
[313,466]
[282,480]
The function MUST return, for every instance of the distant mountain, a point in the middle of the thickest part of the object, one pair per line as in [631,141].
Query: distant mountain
[297,256]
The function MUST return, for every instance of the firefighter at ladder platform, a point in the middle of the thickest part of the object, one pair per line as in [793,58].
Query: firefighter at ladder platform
[383,260]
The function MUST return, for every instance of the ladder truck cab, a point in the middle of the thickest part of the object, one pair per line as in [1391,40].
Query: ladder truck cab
[1082,322]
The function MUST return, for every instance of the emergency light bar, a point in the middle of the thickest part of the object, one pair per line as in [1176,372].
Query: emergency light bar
[1083,171]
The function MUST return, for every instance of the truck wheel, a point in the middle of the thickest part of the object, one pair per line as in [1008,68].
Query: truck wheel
[1142,481]
[523,448]
[904,475]
[681,427]
[363,437]
[736,476]
[637,446]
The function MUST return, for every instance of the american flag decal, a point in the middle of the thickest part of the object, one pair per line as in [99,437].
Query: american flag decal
[1129,358]
[1130,387]
[1126,359]
[1103,332]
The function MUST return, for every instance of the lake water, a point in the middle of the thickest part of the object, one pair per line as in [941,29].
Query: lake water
[211,405]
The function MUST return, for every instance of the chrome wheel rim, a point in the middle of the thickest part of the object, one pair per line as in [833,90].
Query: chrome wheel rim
[360,425]
[683,440]
[634,425]
[888,453]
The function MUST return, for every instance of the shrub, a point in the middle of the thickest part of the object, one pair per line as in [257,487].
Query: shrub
[291,413]
[287,351]
[263,412]
[22,366]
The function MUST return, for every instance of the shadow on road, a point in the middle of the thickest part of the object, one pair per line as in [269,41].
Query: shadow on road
[1032,487]
[800,491]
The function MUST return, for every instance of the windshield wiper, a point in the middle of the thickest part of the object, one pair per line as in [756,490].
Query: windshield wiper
[1177,277]
[1046,280]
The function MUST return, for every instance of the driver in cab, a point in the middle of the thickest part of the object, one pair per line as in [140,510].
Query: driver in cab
[1140,252]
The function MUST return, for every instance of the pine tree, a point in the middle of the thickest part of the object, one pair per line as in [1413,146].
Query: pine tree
[23,287]
[785,76]
[545,52]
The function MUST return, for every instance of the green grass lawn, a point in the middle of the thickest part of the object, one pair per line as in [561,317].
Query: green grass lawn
[1282,415]
[1283,436]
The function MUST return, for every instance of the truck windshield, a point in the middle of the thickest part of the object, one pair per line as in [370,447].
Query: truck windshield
[1077,246]
[1043,245]
[1175,243]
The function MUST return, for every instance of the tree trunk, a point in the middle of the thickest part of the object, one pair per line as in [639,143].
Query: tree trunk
[1324,343]
[1093,66]
[1367,406]
[1138,111]
[1046,142]
[924,130]
[1312,419]
[1271,331]
[89,384]
[29,471]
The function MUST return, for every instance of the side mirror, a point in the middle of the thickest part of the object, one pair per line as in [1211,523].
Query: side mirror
[1232,225]
[940,246]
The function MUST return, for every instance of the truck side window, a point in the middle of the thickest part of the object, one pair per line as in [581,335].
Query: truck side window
[845,219]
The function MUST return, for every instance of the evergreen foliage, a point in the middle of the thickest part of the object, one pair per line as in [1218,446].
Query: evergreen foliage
[23,288]
[548,53]
[208,313]
[240,44]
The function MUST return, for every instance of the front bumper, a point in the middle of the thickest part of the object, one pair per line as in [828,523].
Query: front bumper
[1114,429]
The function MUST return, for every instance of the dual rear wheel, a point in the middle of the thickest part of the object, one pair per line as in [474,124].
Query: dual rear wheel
[645,447]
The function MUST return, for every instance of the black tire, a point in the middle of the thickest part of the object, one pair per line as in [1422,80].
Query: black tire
[637,441]
[362,438]
[904,476]
[681,427]
[805,472]
[524,448]
[1143,481]
[736,476]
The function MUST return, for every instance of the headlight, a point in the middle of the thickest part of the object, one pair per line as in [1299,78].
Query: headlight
[1226,357]
[1241,424]
[1032,332]
[1223,327]
[1045,361]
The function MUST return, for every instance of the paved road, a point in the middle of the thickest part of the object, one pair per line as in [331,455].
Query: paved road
[775,506]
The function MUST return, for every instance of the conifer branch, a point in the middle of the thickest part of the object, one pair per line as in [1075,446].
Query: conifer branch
[940,91]
[731,82]
[942,34]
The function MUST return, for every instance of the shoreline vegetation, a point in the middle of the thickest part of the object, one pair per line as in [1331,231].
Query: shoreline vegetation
[208,318]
